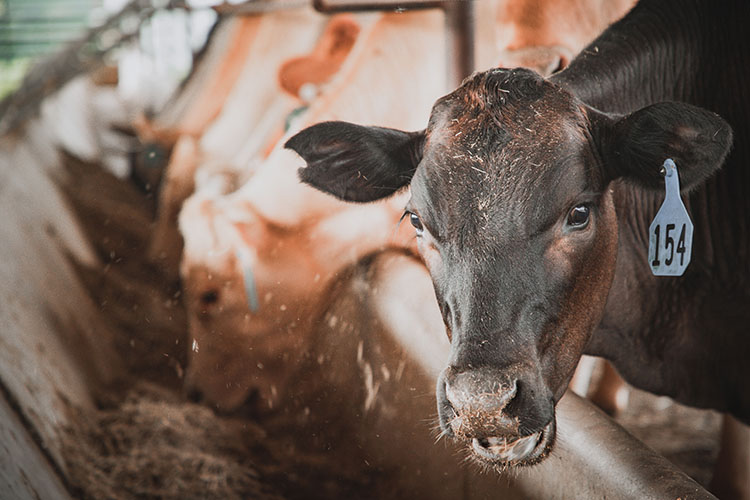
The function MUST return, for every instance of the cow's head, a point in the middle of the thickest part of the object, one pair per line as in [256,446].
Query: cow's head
[517,225]
[257,268]
[247,282]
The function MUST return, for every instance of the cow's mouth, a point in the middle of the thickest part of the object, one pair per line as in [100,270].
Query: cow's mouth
[509,452]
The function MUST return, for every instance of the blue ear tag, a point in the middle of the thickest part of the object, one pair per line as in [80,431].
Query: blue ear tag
[671,233]
[251,291]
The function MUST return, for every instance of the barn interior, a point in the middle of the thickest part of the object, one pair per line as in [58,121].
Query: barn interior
[130,366]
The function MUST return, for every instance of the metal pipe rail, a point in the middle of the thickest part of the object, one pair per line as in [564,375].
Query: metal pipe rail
[594,457]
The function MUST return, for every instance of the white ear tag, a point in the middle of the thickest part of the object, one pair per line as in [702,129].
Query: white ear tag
[671,232]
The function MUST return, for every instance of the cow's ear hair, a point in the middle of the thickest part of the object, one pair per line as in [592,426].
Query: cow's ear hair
[635,146]
[357,163]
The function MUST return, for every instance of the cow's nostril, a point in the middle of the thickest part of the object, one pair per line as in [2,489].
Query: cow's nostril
[476,403]
[484,396]
[194,395]
[446,413]
[209,297]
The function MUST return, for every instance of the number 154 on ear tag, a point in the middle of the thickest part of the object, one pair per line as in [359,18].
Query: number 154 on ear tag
[671,232]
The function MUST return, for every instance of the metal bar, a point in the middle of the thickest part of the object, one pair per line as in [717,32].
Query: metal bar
[259,7]
[31,38]
[35,21]
[333,6]
[55,70]
[459,30]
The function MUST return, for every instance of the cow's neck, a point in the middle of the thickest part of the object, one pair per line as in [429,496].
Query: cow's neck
[655,53]
[658,53]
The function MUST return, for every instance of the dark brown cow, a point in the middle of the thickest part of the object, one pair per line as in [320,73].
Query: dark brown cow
[532,200]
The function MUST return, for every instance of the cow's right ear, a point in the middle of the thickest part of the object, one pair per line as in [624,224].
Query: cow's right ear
[357,163]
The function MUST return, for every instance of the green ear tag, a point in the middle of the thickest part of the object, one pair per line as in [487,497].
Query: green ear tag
[671,232]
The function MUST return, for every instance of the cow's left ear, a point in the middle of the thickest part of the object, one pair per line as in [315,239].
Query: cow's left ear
[635,146]
[357,163]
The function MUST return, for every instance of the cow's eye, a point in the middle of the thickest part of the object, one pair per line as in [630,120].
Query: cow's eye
[578,218]
[414,219]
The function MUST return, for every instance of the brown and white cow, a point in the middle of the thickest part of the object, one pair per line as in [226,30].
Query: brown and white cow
[545,36]
[257,262]
[532,198]
[200,125]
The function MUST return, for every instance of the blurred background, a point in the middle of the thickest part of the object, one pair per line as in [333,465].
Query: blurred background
[181,318]
[152,46]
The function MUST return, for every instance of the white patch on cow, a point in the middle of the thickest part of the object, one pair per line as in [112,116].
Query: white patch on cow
[280,171]
[195,345]
[256,100]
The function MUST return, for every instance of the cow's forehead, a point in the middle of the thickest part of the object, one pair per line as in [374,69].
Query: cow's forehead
[505,151]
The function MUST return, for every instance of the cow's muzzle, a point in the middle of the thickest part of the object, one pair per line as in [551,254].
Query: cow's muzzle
[492,413]
[508,452]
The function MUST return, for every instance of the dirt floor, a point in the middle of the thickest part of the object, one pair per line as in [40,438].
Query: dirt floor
[147,441]
[154,444]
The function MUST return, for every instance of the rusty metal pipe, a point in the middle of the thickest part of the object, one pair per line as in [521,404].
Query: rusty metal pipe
[459,40]
[333,6]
